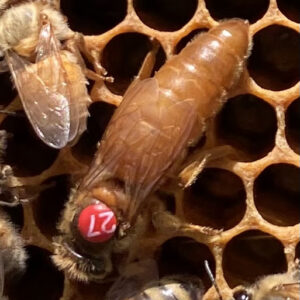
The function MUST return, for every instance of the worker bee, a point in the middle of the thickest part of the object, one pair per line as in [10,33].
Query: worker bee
[12,253]
[181,288]
[144,144]
[49,76]
[142,283]
[273,287]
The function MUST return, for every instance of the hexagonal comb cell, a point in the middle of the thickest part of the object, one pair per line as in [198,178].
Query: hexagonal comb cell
[27,154]
[41,279]
[216,199]
[249,9]
[182,255]
[276,190]
[275,58]
[248,124]
[122,57]
[250,255]
[94,17]
[290,8]
[165,15]
[6,88]
[48,206]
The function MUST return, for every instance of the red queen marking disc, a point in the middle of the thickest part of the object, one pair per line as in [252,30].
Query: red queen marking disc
[97,223]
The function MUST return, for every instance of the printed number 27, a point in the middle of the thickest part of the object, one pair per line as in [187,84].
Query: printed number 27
[107,216]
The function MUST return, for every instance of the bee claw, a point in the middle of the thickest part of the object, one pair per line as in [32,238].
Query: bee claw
[109,79]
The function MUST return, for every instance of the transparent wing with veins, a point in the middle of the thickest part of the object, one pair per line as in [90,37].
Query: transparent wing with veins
[143,140]
[44,91]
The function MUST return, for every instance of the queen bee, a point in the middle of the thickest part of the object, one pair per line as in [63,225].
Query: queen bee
[145,142]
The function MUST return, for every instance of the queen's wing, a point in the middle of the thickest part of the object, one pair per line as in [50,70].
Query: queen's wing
[142,141]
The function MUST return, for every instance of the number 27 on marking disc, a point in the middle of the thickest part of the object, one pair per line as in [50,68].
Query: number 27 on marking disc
[97,223]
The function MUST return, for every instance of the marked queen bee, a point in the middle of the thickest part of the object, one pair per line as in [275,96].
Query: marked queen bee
[49,76]
[145,142]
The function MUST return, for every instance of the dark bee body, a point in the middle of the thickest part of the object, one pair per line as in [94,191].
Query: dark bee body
[12,252]
[178,287]
[171,290]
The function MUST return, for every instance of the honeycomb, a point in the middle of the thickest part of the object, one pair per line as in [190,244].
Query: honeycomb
[253,197]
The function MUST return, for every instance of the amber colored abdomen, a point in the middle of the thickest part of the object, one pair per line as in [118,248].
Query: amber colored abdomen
[208,67]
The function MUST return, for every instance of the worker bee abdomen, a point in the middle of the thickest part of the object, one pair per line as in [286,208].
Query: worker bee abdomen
[170,289]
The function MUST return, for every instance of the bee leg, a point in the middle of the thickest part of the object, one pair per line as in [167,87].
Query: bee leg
[190,173]
[133,235]
[21,194]
[92,55]
[32,192]
[167,224]
[75,46]
[163,220]
[147,65]
[14,203]
[9,187]
[149,61]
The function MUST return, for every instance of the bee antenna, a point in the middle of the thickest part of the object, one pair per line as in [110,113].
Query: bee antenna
[73,252]
[11,113]
[212,278]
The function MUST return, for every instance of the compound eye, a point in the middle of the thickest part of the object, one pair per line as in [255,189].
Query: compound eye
[97,223]
[241,295]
